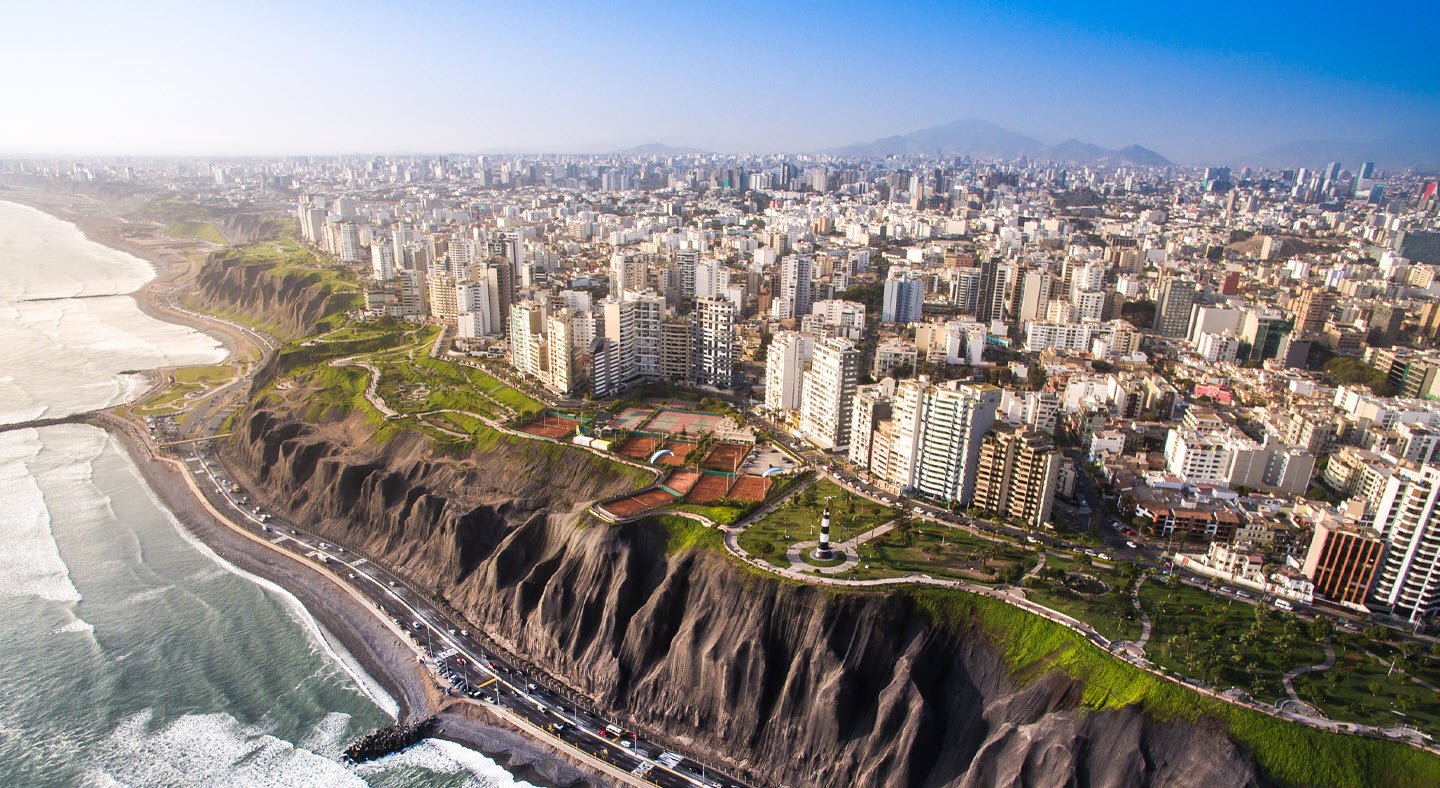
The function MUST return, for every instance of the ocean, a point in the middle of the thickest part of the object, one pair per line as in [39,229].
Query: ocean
[130,653]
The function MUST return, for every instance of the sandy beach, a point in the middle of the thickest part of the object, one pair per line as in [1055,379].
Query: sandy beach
[348,626]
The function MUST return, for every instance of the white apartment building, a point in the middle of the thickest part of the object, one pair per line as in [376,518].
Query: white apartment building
[1407,582]
[828,393]
[836,318]
[796,287]
[714,348]
[936,436]
[528,349]
[785,362]
[1218,348]
[627,272]
[633,323]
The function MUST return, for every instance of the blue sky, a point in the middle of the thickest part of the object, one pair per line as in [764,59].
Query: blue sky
[1196,83]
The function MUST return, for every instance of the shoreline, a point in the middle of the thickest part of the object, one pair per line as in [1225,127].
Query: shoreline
[344,624]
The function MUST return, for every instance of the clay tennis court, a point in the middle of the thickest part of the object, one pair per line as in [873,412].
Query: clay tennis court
[675,421]
[682,481]
[710,487]
[725,457]
[551,427]
[640,502]
[678,452]
[631,418]
[750,488]
[638,447]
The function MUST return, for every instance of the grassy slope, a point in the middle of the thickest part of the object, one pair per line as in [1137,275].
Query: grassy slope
[1286,752]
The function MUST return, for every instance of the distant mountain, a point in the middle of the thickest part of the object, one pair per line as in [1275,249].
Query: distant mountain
[969,137]
[1407,150]
[985,140]
[657,149]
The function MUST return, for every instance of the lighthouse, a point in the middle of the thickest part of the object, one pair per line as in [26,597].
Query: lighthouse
[823,551]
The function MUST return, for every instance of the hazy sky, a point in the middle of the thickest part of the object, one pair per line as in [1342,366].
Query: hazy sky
[1206,80]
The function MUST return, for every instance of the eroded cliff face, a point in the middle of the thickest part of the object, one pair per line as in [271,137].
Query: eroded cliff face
[788,683]
[293,301]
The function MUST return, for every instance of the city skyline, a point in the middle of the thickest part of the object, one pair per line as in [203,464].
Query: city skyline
[454,77]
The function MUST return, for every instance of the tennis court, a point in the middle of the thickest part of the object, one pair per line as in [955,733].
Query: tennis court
[725,457]
[640,502]
[548,426]
[631,418]
[682,481]
[679,450]
[683,422]
[710,487]
[638,447]
[750,488]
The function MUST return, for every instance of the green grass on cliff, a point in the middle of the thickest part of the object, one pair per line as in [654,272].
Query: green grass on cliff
[203,231]
[683,534]
[1286,752]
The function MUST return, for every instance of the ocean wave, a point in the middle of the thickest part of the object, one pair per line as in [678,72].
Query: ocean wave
[209,750]
[30,564]
[447,757]
[78,625]
[318,636]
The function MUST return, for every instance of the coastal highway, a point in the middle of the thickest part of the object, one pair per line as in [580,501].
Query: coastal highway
[455,656]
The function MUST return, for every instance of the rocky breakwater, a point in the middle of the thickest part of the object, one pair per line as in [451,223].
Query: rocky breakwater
[791,684]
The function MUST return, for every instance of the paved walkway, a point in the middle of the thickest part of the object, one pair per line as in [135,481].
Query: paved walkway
[1136,647]
[1322,667]
[850,549]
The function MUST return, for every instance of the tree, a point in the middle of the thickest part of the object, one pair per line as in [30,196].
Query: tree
[1035,376]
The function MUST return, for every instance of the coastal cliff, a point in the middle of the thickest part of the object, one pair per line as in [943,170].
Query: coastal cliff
[290,302]
[791,684]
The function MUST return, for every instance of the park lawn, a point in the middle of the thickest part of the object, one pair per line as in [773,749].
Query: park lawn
[684,534]
[1220,642]
[798,520]
[939,551]
[1362,689]
[203,231]
[503,392]
[209,375]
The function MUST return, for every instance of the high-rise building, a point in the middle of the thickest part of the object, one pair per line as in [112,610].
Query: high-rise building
[715,343]
[677,350]
[1172,310]
[796,286]
[993,298]
[528,349]
[443,304]
[904,298]
[936,436]
[627,272]
[1034,295]
[476,299]
[872,406]
[382,261]
[785,361]
[712,279]
[1341,562]
[1312,309]
[1016,473]
[1407,583]
[686,261]
[828,392]
[633,322]
[348,237]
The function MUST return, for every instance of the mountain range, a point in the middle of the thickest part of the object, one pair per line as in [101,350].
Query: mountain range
[657,149]
[982,139]
[1419,149]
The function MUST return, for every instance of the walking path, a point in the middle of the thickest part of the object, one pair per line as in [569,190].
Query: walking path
[850,549]
[1288,679]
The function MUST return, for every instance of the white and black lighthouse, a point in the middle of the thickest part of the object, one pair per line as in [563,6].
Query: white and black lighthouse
[823,551]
